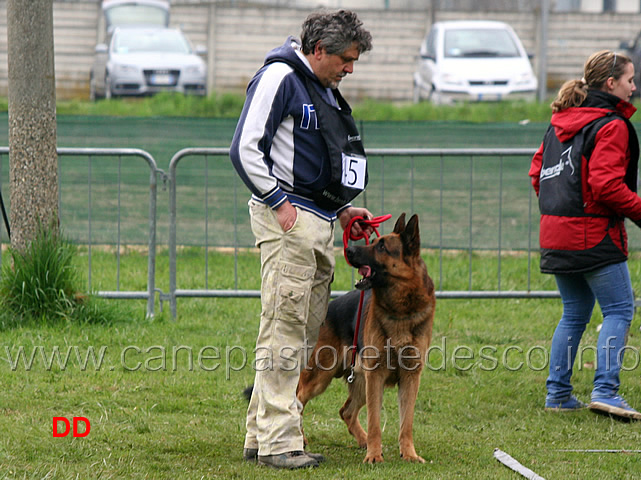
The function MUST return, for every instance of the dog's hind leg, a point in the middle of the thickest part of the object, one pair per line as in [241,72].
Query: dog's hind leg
[312,383]
[353,405]
[323,365]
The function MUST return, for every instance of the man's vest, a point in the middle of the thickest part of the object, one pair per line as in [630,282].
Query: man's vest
[348,163]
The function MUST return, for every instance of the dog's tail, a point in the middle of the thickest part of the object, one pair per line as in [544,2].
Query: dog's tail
[247,393]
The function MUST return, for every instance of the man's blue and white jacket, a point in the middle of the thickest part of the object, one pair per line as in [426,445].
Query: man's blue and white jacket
[278,149]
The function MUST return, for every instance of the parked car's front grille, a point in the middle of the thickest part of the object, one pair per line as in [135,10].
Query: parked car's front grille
[481,83]
[127,86]
[162,78]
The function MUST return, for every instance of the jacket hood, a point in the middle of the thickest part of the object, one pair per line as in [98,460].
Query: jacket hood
[287,53]
[567,123]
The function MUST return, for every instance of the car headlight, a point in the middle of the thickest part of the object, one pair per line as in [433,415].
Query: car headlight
[122,68]
[450,79]
[194,69]
[524,79]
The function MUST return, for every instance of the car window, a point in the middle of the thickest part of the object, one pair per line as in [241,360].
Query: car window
[160,41]
[469,42]
[430,44]
[136,15]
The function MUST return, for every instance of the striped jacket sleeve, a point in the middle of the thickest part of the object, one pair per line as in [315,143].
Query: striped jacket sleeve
[263,112]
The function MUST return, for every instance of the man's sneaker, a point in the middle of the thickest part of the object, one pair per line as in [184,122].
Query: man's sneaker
[251,455]
[288,460]
[316,456]
[567,404]
[616,407]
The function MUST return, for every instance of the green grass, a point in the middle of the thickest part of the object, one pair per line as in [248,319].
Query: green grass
[214,106]
[510,111]
[158,410]
[229,105]
[41,284]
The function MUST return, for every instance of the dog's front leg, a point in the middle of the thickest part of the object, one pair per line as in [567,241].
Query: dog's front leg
[374,385]
[407,393]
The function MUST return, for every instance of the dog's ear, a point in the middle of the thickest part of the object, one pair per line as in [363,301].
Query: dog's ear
[411,238]
[400,224]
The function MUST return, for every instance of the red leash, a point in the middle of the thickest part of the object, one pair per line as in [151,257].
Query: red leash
[347,236]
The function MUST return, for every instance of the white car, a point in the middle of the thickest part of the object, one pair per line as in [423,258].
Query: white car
[473,60]
[135,12]
[147,60]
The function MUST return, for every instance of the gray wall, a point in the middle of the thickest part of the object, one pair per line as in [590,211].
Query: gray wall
[238,36]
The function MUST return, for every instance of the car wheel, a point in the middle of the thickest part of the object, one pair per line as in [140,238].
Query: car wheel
[416,93]
[435,96]
[92,89]
[108,93]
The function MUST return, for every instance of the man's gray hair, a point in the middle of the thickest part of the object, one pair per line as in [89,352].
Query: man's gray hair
[336,32]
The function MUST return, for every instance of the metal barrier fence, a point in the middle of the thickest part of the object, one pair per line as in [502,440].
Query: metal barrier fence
[474,201]
[410,180]
[88,157]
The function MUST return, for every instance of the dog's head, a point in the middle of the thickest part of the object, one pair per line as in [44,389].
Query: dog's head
[388,258]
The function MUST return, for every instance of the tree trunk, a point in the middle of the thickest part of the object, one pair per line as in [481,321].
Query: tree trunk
[33,160]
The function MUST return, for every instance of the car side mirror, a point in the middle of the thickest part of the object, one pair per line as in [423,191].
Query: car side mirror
[200,50]
[626,45]
[101,48]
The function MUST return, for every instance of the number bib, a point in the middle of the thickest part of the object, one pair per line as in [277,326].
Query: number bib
[354,171]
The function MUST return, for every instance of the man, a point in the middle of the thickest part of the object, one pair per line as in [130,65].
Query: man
[297,149]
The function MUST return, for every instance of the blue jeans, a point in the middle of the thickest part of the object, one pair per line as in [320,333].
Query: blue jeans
[611,287]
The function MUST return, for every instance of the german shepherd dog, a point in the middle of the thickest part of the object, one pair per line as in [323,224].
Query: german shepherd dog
[395,334]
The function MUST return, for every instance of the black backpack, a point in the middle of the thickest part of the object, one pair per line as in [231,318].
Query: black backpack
[560,183]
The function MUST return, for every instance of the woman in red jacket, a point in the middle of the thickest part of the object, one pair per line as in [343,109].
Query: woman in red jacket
[585,175]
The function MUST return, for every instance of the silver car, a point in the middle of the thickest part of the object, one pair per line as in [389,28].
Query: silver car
[143,61]
[135,12]
[473,60]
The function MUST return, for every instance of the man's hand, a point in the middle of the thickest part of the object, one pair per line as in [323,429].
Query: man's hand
[286,216]
[357,230]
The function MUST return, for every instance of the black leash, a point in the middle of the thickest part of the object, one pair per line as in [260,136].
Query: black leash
[4,215]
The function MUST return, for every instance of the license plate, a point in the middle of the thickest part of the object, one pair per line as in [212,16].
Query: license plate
[488,97]
[161,79]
